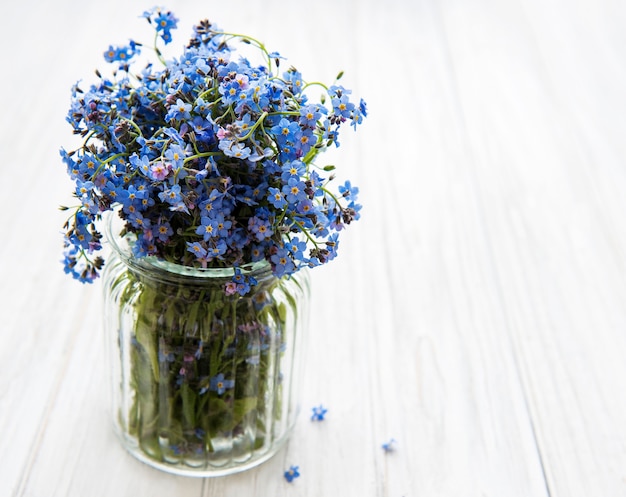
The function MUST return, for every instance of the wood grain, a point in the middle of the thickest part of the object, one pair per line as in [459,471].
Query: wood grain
[476,313]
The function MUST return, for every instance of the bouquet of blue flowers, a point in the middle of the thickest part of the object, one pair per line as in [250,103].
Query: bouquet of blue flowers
[208,161]
[210,158]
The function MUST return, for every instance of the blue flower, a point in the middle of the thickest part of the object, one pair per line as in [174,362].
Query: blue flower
[203,129]
[201,107]
[295,78]
[305,207]
[348,191]
[363,108]
[223,225]
[356,117]
[282,263]
[83,188]
[233,89]
[85,166]
[293,169]
[342,106]
[141,164]
[134,199]
[242,282]
[330,134]
[121,54]
[292,473]
[138,221]
[310,115]
[389,446]
[164,22]
[285,130]
[306,139]
[176,155]
[171,195]
[238,150]
[294,190]
[318,413]
[316,182]
[276,198]
[213,204]
[219,384]
[209,228]
[180,111]
[260,228]
[332,244]
[296,248]
[164,231]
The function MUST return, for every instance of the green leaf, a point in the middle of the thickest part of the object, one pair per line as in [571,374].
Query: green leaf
[242,407]
[282,312]
[189,404]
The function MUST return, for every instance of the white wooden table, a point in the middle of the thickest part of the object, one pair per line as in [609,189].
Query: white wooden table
[476,313]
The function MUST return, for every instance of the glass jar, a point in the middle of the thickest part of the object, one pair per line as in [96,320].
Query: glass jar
[203,383]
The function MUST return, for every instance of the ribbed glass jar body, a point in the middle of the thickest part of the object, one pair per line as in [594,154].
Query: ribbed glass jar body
[203,383]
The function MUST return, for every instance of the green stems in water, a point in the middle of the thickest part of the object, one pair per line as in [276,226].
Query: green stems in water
[204,370]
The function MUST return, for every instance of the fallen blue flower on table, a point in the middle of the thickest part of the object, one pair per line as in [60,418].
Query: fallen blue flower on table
[292,473]
[389,446]
[319,413]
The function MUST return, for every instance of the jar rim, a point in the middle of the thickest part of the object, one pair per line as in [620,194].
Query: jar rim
[149,265]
